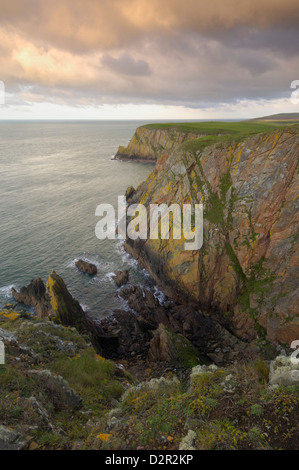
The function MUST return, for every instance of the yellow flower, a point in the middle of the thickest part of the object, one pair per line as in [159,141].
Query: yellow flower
[104,437]
[100,358]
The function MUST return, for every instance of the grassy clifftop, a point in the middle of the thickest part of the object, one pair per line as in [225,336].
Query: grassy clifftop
[152,141]
[215,131]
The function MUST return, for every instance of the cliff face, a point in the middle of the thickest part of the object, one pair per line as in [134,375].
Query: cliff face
[150,144]
[246,273]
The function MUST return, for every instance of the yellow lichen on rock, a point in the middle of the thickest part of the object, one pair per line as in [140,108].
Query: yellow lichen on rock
[10,315]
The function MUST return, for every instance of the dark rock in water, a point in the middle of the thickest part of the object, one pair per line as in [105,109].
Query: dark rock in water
[34,295]
[121,278]
[54,302]
[86,268]
[64,308]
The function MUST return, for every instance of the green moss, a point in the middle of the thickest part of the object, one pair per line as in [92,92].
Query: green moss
[225,185]
[187,354]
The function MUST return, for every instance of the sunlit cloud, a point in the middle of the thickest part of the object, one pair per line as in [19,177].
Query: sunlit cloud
[193,57]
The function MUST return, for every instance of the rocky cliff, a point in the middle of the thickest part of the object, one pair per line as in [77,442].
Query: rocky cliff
[246,274]
[150,143]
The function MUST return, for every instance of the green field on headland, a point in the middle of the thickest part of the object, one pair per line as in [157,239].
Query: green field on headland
[216,131]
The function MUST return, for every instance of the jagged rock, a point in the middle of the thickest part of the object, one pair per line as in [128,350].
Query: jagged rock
[120,335]
[42,412]
[34,295]
[12,440]
[150,144]
[139,299]
[166,346]
[121,278]
[212,340]
[86,268]
[130,192]
[64,308]
[283,371]
[246,273]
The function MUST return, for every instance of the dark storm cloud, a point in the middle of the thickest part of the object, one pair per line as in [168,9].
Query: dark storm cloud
[193,53]
[126,65]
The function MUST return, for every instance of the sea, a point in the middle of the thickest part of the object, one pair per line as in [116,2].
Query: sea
[53,175]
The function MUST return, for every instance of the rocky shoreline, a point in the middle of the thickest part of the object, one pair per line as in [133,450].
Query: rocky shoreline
[211,366]
[161,375]
[140,331]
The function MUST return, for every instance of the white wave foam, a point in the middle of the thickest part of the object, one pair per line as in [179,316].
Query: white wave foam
[6,290]
[159,295]
[84,307]
[126,258]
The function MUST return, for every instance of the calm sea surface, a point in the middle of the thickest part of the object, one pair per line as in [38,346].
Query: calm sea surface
[53,175]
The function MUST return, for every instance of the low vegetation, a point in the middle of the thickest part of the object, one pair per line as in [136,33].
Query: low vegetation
[55,389]
[213,132]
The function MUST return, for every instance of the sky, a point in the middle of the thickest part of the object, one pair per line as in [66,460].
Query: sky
[141,59]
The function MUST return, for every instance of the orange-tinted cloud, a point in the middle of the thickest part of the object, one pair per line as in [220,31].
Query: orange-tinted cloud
[193,52]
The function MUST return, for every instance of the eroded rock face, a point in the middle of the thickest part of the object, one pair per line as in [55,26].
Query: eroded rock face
[246,274]
[61,394]
[122,334]
[149,144]
[53,301]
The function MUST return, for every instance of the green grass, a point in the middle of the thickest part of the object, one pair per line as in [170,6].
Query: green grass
[213,132]
[94,381]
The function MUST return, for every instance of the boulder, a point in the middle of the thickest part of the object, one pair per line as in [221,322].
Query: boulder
[187,443]
[86,267]
[58,390]
[121,278]
[284,371]
[167,346]
[12,440]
